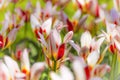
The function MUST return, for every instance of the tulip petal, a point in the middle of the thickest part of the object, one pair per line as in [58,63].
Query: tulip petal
[57,37]
[77,15]
[75,46]
[61,51]
[70,25]
[68,37]
[42,40]
[25,64]
[110,27]
[100,70]
[46,26]
[4,72]
[93,58]
[34,21]
[55,76]
[78,69]
[20,76]
[36,70]
[86,39]
[65,72]
[96,78]
[12,68]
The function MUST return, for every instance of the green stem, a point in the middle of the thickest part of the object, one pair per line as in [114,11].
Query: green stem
[55,63]
[118,68]
[112,74]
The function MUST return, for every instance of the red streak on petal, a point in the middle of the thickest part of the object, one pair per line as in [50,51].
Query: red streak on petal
[88,5]
[1,41]
[112,48]
[38,31]
[97,10]
[87,72]
[79,5]
[18,54]
[90,49]
[115,22]
[70,25]
[47,15]
[61,51]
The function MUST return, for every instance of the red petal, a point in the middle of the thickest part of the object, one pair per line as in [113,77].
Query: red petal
[112,48]
[18,55]
[97,11]
[1,41]
[79,5]
[61,51]
[87,72]
[37,31]
[70,25]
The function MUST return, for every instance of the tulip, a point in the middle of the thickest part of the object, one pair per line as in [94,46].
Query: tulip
[89,49]
[10,69]
[96,73]
[64,73]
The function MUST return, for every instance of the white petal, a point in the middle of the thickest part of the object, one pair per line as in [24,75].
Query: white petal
[93,58]
[68,37]
[102,14]
[86,39]
[78,69]
[96,78]
[25,64]
[12,34]
[12,65]
[99,42]
[34,21]
[82,2]
[38,8]
[77,14]
[59,26]
[114,15]
[110,27]
[75,46]
[117,44]
[36,70]
[4,71]
[48,8]
[57,37]
[66,74]
[55,76]
[6,22]
[20,76]
[46,26]
[42,40]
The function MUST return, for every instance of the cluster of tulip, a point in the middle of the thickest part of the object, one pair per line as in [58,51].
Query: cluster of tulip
[41,40]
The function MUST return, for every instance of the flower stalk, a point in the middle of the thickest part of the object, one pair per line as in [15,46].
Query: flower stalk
[113,67]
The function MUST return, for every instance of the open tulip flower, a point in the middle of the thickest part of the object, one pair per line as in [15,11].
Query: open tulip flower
[9,69]
[53,46]
[9,30]
[90,6]
[89,49]
[96,73]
